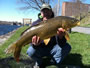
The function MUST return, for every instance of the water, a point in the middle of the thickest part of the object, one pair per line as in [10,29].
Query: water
[4,29]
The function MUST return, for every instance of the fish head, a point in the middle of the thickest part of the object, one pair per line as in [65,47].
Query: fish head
[69,22]
[74,22]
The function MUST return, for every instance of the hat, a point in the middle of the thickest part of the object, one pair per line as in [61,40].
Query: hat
[45,6]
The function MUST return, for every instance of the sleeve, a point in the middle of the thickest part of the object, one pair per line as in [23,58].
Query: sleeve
[35,22]
[33,45]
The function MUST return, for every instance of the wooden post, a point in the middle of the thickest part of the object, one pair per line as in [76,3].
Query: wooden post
[27,21]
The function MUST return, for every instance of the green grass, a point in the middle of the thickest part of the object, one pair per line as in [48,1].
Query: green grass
[85,25]
[80,49]
[79,55]
[12,39]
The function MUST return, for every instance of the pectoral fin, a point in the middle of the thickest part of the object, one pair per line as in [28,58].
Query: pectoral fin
[10,49]
[46,41]
[67,35]
[65,29]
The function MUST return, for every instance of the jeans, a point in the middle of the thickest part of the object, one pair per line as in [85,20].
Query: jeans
[57,53]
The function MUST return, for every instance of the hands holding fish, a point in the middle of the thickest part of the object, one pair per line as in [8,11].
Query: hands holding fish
[36,40]
[60,32]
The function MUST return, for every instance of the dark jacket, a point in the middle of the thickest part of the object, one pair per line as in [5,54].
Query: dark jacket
[54,40]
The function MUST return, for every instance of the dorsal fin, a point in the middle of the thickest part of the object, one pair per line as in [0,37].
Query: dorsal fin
[25,31]
[29,28]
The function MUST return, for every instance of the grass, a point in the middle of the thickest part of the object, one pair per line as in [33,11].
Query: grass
[80,48]
[85,25]
[11,40]
[79,55]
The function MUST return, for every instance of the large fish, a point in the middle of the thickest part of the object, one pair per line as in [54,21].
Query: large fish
[45,29]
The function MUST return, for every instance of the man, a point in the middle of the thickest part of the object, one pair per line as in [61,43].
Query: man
[57,47]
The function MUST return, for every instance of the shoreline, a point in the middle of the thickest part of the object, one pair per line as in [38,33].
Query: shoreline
[5,37]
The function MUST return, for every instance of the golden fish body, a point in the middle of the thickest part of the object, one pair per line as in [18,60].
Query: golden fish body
[44,30]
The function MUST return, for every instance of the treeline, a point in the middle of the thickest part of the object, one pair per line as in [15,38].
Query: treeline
[10,23]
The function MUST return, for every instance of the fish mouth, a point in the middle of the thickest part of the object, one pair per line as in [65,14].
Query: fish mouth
[78,23]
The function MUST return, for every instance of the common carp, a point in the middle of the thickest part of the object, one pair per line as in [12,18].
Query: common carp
[45,29]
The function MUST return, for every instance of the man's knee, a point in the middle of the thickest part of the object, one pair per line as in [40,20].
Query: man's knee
[30,51]
[68,47]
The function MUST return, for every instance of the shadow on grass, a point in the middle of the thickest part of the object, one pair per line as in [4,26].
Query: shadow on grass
[71,61]
[74,60]
[9,62]
[4,62]
[74,32]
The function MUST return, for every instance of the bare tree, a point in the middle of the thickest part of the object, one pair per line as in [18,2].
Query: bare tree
[56,8]
[33,4]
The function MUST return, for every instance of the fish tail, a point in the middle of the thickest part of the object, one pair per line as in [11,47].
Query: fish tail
[17,59]
[17,53]
[10,49]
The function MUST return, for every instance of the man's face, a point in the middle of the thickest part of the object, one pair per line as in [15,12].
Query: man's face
[46,13]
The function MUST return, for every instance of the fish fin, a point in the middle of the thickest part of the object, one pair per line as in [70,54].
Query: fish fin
[10,49]
[25,31]
[67,35]
[78,23]
[17,53]
[29,28]
[17,59]
[46,41]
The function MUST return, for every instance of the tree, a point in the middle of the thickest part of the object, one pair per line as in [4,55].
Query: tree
[56,8]
[33,4]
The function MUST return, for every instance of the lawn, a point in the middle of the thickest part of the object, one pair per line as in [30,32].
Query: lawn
[79,55]
[85,25]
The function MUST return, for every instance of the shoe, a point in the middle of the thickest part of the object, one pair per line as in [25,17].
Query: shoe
[36,65]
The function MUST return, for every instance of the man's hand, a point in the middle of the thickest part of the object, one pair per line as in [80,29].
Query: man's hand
[36,40]
[61,32]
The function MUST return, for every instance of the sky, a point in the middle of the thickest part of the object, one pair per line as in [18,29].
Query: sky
[9,11]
